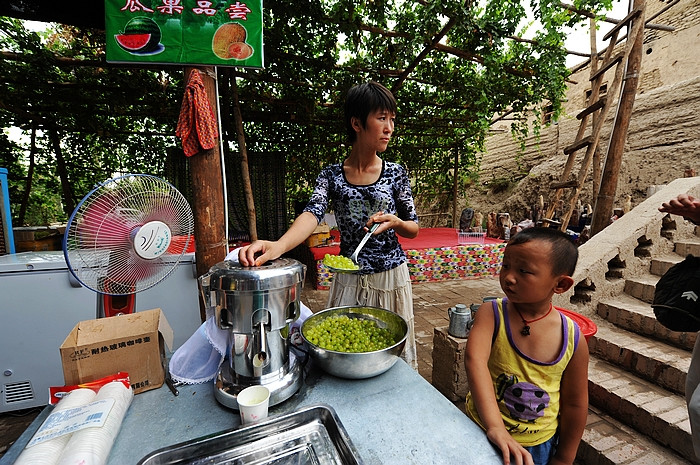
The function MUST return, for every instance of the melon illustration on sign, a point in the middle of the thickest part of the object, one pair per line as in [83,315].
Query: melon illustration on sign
[141,35]
[229,42]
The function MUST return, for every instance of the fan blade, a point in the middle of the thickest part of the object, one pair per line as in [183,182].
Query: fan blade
[119,240]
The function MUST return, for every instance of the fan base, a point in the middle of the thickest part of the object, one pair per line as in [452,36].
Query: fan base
[114,305]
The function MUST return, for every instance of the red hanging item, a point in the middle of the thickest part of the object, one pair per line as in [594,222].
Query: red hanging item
[197,125]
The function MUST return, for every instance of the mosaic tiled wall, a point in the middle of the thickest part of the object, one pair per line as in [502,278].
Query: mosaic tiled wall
[440,263]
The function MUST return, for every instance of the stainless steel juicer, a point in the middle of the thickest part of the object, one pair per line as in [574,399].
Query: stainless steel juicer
[257,305]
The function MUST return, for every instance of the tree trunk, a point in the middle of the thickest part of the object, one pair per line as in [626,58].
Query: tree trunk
[68,203]
[455,190]
[247,187]
[207,181]
[30,175]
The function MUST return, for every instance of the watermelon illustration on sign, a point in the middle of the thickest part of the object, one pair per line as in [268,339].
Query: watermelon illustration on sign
[141,36]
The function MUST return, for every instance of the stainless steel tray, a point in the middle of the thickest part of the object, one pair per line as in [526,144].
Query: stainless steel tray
[312,435]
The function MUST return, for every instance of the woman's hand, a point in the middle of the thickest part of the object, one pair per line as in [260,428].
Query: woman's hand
[408,229]
[259,252]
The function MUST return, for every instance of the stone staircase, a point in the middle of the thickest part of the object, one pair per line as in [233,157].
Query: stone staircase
[637,377]
[638,368]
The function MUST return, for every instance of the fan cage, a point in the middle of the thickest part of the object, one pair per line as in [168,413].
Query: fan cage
[99,239]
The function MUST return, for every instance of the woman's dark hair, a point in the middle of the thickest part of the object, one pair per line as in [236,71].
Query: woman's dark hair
[564,255]
[362,100]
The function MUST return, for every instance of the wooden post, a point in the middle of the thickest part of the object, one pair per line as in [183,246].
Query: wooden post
[597,168]
[606,196]
[208,189]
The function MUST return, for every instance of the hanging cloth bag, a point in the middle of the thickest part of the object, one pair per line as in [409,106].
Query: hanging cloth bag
[677,296]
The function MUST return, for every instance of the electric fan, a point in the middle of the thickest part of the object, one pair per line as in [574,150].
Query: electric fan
[126,236]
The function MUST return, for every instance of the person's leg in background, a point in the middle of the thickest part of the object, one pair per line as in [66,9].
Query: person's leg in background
[692,396]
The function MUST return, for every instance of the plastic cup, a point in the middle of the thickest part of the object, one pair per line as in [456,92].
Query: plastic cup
[462,237]
[253,402]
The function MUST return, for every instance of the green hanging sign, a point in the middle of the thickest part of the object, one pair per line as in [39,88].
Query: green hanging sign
[196,32]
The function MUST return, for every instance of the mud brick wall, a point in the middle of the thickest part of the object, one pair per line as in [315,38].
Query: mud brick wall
[663,139]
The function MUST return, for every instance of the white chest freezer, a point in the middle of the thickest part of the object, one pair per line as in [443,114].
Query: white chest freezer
[41,301]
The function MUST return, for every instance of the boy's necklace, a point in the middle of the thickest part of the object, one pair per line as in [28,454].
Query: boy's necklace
[526,329]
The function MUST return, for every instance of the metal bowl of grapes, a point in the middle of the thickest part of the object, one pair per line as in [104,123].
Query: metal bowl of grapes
[355,342]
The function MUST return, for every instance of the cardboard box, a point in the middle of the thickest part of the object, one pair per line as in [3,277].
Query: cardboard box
[132,343]
[320,236]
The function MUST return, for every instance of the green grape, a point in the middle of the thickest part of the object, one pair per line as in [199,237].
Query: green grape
[339,262]
[343,334]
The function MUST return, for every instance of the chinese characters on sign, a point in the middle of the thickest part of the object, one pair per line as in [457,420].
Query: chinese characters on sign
[198,32]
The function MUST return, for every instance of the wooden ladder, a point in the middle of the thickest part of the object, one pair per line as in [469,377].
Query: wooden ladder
[597,111]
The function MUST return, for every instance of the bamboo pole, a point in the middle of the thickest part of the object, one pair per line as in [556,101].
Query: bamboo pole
[594,66]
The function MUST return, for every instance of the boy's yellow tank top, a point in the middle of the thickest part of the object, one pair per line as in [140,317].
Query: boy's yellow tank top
[527,390]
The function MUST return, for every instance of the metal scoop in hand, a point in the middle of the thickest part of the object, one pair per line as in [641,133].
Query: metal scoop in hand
[364,240]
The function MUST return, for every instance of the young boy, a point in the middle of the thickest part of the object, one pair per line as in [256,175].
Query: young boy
[527,364]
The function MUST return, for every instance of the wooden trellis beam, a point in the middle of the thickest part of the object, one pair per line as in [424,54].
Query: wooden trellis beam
[424,53]
[589,14]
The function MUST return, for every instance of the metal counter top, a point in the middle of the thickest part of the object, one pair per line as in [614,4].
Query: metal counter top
[394,418]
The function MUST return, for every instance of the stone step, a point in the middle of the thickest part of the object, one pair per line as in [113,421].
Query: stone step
[642,287]
[688,246]
[636,316]
[607,441]
[661,264]
[647,358]
[642,405]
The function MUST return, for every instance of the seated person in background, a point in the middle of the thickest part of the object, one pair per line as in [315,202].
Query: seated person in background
[465,221]
[527,366]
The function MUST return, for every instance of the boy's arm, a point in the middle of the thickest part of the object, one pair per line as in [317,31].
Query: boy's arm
[573,401]
[476,359]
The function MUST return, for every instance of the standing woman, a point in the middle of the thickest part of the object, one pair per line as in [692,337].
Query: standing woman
[362,190]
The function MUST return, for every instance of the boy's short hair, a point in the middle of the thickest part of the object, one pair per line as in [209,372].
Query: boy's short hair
[362,100]
[564,255]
